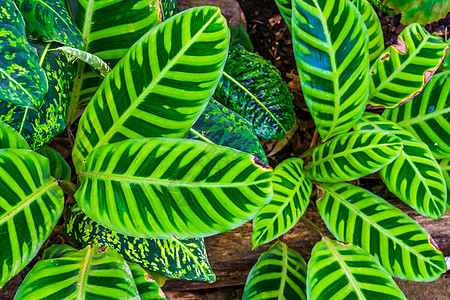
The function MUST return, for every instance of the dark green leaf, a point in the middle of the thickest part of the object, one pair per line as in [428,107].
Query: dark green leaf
[60,169]
[422,11]
[10,138]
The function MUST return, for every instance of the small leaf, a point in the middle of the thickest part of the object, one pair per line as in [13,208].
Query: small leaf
[147,287]
[60,169]
[422,11]
[95,62]
[9,138]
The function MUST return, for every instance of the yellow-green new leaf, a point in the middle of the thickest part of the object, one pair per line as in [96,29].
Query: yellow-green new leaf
[147,287]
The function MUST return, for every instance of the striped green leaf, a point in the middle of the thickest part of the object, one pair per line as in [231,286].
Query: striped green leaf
[169,85]
[175,258]
[30,205]
[376,39]
[98,65]
[445,167]
[285,8]
[254,88]
[404,249]
[279,273]
[427,116]
[344,271]
[422,11]
[291,192]
[60,169]
[110,28]
[222,126]
[50,21]
[414,176]
[85,274]
[10,138]
[159,187]
[353,155]
[403,70]
[58,251]
[332,54]
[22,80]
[147,287]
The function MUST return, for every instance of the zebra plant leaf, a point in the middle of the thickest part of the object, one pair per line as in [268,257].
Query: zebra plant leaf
[22,80]
[403,70]
[30,205]
[353,155]
[253,88]
[445,167]
[159,187]
[85,274]
[427,116]
[373,25]
[422,11]
[58,251]
[331,49]
[174,258]
[60,169]
[10,138]
[110,28]
[147,287]
[170,85]
[95,62]
[291,192]
[50,21]
[355,215]
[414,176]
[351,273]
[279,273]
[285,8]
[224,127]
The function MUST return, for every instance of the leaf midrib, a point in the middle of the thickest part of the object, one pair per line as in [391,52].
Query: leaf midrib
[423,117]
[283,272]
[83,277]
[17,84]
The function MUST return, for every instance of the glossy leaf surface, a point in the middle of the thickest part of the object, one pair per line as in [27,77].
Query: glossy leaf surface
[331,49]
[353,155]
[279,273]
[403,70]
[59,168]
[404,249]
[344,271]
[22,80]
[30,205]
[422,11]
[85,274]
[291,192]
[50,21]
[170,85]
[93,61]
[175,258]
[10,138]
[427,116]
[254,89]
[414,176]
[224,127]
[147,287]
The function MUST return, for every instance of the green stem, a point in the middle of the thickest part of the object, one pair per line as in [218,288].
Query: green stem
[312,225]
[68,187]
[44,53]
[195,132]
[307,152]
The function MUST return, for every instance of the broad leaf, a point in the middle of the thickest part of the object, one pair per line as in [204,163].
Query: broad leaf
[353,155]
[30,205]
[285,8]
[50,21]
[403,70]
[93,61]
[60,169]
[370,18]
[147,287]
[422,11]
[22,80]
[280,273]
[427,116]
[332,54]
[291,192]
[159,187]
[10,138]
[168,87]
[85,274]
[175,258]
[404,249]
[414,176]
[224,127]
[253,87]
[344,271]
[110,28]
[58,251]
[445,167]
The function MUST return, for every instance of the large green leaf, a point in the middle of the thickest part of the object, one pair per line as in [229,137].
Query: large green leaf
[60,169]
[332,54]
[254,88]
[158,88]
[445,167]
[159,187]
[30,205]
[224,127]
[147,287]
[280,273]
[175,258]
[85,274]
[344,271]
[422,11]
[22,80]
[110,28]
[291,192]
[404,69]
[404,249]
[414,176]
[353,155]
[10,138]
[285,8]
[50,21]
[427,116]
[376,39]
[39,126]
